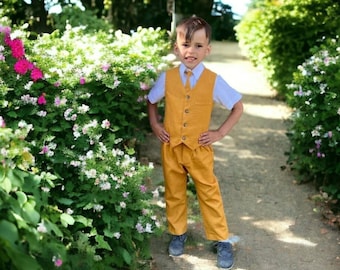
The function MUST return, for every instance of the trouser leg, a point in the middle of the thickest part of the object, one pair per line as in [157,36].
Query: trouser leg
[175,182]
[200,166]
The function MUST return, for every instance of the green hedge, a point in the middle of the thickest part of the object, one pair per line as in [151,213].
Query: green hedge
[73,194]
[314,130]
[278,37]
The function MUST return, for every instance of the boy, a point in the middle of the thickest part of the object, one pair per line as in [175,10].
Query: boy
[190,91]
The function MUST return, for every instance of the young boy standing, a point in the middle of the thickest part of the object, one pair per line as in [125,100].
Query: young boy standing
[190,91]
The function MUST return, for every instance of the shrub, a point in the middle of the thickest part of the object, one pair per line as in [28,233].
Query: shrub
[83,98]
[74,16]
[277,37]
[314,130]
[28,224]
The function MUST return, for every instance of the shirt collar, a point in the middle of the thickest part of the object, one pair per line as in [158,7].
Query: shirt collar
[197,71]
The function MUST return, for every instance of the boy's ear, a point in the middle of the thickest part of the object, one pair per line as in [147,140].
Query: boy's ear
[175,48]
[208,51]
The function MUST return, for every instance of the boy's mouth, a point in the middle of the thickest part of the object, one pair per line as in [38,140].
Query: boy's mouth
[190,58]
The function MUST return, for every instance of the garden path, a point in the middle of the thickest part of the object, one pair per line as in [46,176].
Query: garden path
[272,215]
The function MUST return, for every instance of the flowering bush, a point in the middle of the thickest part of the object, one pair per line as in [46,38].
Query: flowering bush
[314,130]
[25,239]
[81,99]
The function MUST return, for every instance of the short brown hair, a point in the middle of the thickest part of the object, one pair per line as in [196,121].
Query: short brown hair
[192,24]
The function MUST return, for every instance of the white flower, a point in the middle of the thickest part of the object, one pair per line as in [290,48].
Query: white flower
[97,207]
[148,228]
[42,113]
[89,154]
[28,85]
[155,193]
[105,124]
[83,109]
[45,189]
[117,235]
[91,173]
[41,227]
[105,186]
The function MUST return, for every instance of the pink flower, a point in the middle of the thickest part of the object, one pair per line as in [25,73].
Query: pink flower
[36,74]
[5,29]
[82,80]
[58,262]
[2,122]
[105,67]
[144,86]
[17,47]
[143,188]
[44,150]
[57,84]
[7,39]
[57,101]
[42,99]
[22,66]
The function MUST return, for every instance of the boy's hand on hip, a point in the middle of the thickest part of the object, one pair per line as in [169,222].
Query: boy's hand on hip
[161,133]
[209,137]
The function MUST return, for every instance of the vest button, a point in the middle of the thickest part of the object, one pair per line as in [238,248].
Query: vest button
[186,110]
[185,124]
[184,138]
[188,97]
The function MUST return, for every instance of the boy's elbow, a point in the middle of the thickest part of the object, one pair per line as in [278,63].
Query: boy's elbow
[238,107]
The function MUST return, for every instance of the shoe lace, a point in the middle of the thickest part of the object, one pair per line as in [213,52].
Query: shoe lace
[224,248]
[179,238]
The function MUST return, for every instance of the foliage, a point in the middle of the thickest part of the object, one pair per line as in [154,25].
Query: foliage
[81,99]
[278,35]
[112,72]
[74,16]
[314,130]
[28,225]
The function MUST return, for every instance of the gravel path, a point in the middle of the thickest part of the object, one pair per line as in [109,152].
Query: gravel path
[273,217]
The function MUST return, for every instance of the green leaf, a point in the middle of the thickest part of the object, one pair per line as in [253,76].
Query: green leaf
[53,227]
[17,177]
[65,201]
[126,256]
[20,221]
[6,184]
[21,197]
[8,232]
[66,219]
[108,233]
[29,213]
[83,220]
[12,114]
[102,243]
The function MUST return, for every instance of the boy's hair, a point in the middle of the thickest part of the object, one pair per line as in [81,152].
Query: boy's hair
[192,24]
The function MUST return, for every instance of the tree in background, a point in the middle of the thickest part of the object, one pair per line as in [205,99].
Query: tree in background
[35,13]
[126,15]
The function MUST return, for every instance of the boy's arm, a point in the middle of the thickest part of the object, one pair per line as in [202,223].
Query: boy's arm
[212,136]
[157,128]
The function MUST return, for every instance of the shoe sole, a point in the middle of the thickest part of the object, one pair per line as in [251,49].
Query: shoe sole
[230,267]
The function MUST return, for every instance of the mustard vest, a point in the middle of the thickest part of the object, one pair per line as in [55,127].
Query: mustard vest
[188,111]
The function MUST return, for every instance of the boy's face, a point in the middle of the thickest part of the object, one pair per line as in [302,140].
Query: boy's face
[192,52]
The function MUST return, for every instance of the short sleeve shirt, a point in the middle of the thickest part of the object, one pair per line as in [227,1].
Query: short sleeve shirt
[223,93]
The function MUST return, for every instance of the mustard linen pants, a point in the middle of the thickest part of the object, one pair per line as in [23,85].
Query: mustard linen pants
[199,163]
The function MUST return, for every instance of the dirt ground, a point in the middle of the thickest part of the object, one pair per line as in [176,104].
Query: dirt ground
[266,209]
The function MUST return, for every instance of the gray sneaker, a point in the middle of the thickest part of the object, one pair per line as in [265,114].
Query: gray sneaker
[225,258]
[176,247]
